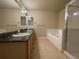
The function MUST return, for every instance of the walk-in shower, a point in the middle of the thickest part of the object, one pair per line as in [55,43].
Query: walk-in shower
[72,29]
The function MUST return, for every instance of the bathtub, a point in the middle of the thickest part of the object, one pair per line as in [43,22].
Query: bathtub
[54,36]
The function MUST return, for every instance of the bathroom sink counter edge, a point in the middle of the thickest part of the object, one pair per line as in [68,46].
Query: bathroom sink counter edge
[17,39]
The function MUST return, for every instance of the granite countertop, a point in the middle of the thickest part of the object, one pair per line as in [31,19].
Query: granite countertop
[17,39]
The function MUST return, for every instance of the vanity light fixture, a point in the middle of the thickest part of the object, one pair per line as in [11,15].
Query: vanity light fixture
[23,11]
[17,0]
[22,7]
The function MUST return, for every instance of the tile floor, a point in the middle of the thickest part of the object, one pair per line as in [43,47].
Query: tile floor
[43,49]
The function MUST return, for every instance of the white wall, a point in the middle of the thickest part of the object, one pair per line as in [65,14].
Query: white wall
[44,20]
[61,19]
[61,27]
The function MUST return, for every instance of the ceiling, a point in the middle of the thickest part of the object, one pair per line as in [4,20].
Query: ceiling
[8,4]
[54,5]
[76,4]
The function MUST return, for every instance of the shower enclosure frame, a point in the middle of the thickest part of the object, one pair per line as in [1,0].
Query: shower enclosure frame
[66,29]
[66,20]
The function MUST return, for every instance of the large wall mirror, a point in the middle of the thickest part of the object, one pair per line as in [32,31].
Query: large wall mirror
[13,15]
[9,15]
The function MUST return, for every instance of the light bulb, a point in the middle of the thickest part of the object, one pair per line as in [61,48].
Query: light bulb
[75,14]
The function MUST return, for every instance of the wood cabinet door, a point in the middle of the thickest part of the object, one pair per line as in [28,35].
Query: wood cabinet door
[30,46]
[14,50]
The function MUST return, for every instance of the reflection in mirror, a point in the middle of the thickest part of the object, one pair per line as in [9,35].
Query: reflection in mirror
[30,21]
[13,15]
[23,16]
[9,15]
[26,20]
[23,20]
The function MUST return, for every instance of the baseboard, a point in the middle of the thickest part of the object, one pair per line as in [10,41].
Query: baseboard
[69,55]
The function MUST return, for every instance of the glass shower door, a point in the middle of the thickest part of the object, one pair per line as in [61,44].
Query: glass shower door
[72,45]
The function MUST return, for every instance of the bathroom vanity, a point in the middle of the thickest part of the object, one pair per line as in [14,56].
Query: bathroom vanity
[16,48]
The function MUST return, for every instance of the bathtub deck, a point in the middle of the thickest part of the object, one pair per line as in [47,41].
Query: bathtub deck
[43,49]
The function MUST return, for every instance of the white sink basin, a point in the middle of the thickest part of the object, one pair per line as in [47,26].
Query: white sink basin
[21,34]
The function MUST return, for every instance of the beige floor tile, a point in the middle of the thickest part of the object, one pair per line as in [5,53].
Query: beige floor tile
[43,49]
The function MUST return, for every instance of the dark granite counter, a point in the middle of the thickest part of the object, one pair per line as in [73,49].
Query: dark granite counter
[10,38]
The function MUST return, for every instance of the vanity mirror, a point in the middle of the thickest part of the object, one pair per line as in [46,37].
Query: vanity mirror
[9,15]
[25,18]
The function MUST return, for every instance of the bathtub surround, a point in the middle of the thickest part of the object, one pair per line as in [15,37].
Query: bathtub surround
[53,36]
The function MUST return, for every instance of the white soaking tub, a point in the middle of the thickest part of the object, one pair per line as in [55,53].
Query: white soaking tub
[54,36]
